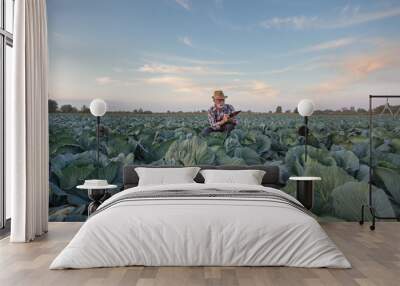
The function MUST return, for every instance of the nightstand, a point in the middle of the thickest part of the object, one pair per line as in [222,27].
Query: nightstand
[96,194]
[305,190]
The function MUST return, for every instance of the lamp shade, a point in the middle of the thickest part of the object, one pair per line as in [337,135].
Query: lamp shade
[305,107]
[98,107]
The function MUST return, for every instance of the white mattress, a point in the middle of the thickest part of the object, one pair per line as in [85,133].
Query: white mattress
[199,231]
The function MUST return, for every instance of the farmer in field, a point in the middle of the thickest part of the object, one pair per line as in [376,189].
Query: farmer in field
[220,115]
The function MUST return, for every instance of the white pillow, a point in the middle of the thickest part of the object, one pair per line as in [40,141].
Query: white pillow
[248,177]
[165,176]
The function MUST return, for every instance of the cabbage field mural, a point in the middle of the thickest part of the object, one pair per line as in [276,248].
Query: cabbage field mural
[171,61]
[338,152]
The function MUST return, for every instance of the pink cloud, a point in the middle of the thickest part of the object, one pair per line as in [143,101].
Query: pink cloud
[363,65]
[105,80]
[357,68]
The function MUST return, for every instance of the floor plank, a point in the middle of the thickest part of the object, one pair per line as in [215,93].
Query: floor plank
[375,257]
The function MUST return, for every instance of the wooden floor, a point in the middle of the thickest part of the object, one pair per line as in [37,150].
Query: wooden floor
[375,257]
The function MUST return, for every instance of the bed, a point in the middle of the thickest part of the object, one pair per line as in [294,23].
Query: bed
[198,224]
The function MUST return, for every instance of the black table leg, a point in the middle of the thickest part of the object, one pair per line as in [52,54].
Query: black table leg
[96,196]
[305,194]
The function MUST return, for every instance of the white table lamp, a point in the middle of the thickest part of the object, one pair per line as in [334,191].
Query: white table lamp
[305,109]
[98,108]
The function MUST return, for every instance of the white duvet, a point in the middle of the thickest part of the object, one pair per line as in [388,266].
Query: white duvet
[194,231]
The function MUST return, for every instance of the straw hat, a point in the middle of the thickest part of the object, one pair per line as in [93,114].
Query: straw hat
[219,94]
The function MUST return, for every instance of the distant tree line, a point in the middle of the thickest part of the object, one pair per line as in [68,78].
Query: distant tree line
[141,111]
[68,108]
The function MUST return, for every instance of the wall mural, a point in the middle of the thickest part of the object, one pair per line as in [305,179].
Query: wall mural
[158,82]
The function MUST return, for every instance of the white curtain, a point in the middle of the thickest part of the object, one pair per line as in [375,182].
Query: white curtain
[27,122]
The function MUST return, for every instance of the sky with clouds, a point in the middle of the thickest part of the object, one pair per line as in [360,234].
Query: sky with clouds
[171,54]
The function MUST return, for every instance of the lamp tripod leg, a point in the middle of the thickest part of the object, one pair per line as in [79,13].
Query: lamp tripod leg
[361,222]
